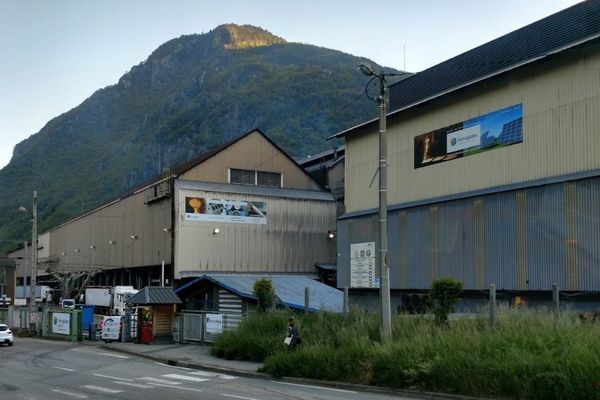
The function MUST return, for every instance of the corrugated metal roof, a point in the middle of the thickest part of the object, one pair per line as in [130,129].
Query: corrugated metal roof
[289,290]
[155,295]
[558,32]
[255,190]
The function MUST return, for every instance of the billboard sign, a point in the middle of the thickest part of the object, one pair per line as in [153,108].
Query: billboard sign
[486,132]
[231,211]
[214,323]
[61,323]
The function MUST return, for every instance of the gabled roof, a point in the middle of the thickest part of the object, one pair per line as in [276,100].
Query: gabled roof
[289,290]
[556,33]
[154,295]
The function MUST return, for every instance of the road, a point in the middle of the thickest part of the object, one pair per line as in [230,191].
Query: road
[49,370]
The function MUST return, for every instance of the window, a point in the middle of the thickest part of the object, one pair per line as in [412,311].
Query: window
[256,178]
[268,179]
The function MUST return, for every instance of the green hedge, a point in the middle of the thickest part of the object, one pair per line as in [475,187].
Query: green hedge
[528,357]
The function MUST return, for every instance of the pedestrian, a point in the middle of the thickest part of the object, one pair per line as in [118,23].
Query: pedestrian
[292,338]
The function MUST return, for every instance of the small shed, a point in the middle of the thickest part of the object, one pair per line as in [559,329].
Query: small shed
[156,307]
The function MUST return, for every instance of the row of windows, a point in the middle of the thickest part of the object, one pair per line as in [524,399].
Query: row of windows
[255,178]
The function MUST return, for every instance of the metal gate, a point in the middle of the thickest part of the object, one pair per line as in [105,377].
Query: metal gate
[205,326]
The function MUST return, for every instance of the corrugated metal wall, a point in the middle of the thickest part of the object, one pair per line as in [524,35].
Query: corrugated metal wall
[560,99]
[519,240]
[292,241]
[84,243]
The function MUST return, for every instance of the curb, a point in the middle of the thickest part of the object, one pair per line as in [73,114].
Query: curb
[300,381]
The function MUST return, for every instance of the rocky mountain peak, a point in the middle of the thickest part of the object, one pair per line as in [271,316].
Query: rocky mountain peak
[238,37]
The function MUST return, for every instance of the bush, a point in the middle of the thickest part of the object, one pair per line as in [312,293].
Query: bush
[263,290]
[444,293]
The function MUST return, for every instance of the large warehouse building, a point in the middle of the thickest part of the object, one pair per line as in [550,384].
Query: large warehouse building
[245,210]
[494,170]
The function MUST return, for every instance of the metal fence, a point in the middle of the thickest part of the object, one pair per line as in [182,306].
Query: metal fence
[203,326]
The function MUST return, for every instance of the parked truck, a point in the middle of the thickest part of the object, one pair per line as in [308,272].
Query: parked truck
[109,300]
[43,294]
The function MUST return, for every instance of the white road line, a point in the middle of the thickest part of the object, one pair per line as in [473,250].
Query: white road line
[212,374]
[238,397]
[64,369]
[133,384]
[113,355]
[173,366]
[102,389]
[161,381]
[113,377]
[315,387]
[175,387]
[76,395]
[185,378]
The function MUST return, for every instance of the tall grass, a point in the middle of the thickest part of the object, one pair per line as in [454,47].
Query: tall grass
[527,357]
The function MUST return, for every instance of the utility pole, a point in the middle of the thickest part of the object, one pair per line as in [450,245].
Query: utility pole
[34,255]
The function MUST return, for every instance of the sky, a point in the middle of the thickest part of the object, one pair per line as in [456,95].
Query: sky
[56,53]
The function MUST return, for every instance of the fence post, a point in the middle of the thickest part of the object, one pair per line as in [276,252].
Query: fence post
[493,307]
[556,300]
[306,300]
[10,317]
[45,321]
[346,302]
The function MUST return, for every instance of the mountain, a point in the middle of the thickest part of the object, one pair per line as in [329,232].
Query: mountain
[191,94]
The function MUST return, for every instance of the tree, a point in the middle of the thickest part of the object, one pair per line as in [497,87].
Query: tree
[444,293]
[263,290]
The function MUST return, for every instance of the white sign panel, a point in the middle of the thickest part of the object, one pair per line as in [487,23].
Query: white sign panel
[61,323]
[214,323]
[362,265]
[463,139]
[111,328]
[232,211]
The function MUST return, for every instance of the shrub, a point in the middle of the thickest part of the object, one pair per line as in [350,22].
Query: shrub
[263,290]
[444,293]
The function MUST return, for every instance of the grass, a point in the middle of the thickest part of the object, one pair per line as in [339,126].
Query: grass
[527,357]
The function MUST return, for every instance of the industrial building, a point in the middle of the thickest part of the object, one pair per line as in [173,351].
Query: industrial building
[245,208]
[493,170]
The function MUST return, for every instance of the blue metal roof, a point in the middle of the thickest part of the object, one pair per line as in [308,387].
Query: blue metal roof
[288,289]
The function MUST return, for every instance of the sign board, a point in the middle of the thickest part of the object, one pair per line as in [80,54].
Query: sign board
[486,132]
[111,328]
[214,323]
[232,211]
[61,323]
[362,265]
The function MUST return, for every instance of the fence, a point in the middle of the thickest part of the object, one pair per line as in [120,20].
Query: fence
[203,326]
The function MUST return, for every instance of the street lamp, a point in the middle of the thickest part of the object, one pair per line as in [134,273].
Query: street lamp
[34,254]
[384,271]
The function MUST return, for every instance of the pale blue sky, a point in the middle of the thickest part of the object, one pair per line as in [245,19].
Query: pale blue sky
[56,53]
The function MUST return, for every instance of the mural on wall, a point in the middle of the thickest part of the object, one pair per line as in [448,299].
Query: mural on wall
[487,132]
[233,211]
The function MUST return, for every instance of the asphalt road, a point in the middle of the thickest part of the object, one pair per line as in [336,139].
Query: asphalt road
[47,370]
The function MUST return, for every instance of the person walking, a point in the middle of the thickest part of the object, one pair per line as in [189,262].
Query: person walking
[292,338]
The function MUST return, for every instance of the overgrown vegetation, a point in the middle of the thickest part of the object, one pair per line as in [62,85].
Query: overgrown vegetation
[526,358]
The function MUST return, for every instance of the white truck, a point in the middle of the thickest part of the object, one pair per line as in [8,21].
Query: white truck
[43,294]
[109,300]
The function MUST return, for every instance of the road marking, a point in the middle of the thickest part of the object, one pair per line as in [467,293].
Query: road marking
[212,374]
[76,395]
[185,378]
[113,355]
[102,389]
[161,381]
[315,387]
[238,397]
[64,369]
[133,384]
[174,387]
[173,366]
[113,377]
